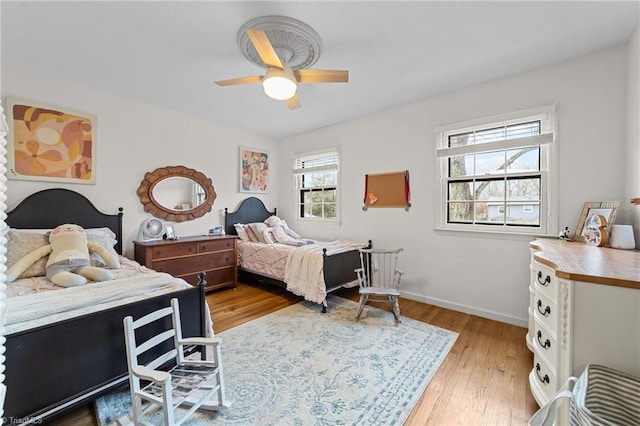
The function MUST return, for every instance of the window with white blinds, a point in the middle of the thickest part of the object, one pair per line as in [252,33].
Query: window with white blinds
[316,182]
[497,173]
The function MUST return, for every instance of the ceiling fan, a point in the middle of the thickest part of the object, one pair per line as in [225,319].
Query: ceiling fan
[285,71]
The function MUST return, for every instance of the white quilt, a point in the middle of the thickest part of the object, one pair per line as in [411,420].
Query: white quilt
[46,307]
[304,271]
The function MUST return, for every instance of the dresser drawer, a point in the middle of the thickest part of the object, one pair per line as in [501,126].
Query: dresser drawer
[544,377]
[202,262]
[219,245]
[545,311]
[545,280]
[215,278]
[173,250]
[545,344]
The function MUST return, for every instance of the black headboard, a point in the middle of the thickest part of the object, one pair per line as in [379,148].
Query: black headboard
[250,210]
[49,208]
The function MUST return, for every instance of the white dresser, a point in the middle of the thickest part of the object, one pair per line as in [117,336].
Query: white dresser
[584,308]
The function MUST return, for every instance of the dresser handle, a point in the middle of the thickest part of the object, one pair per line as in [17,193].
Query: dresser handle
[190,248]
[546,281]
[204,247]
[544,379]
[546,344]
[547,310]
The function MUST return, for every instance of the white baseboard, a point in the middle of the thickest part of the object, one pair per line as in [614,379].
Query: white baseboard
[520,322]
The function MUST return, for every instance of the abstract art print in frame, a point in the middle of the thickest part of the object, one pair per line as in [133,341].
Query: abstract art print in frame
[254,170]
[50,144]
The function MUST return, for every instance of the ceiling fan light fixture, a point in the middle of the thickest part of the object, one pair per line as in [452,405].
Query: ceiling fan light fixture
[278,85]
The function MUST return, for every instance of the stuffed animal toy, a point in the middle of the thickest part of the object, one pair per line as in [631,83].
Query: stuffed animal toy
[274,221]
[69,261]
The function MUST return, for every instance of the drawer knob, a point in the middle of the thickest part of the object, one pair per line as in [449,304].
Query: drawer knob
[546,311]
[158,253]
[190,248]
[204,247]
[546,281]
[546,344]
[544,379]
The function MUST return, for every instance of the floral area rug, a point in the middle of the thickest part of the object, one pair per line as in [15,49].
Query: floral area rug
[298,366]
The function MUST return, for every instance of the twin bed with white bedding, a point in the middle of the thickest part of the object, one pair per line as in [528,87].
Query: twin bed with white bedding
[307,268]
[65,346]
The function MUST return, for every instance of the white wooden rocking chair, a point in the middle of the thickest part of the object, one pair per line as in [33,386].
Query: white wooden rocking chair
[379,278]
[193,383]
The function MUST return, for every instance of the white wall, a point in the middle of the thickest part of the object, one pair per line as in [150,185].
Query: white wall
[134,138]
[632,179]
[482,274]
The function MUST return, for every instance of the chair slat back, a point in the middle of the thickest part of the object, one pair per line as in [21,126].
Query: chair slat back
[137,346]
[379,267]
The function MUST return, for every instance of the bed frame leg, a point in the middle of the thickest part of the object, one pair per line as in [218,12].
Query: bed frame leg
[324,306]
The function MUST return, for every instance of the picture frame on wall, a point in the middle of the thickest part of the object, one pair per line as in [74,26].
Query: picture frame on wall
[50,143]
[607,209]
[254,170]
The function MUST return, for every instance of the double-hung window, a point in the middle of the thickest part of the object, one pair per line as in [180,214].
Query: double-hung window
[316,183]
[497,173]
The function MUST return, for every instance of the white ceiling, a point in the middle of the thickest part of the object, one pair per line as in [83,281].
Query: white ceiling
[170,53]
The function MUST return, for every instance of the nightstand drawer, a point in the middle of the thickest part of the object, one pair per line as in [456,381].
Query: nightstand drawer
[209,246]
[201,262]
[173,250]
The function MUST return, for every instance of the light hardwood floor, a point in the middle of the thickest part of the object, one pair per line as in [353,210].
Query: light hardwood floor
[483,380]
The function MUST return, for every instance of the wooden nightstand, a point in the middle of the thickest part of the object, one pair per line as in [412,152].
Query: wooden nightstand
[187,257]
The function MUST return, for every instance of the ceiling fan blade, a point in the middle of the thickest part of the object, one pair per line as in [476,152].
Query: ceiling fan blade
[264,48]
[240,80]
[293,103]
[321,76]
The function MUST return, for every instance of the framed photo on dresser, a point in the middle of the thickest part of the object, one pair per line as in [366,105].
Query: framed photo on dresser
[607,209]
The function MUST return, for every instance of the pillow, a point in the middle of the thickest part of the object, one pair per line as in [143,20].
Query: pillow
[106,232]
[255,231]
[241,230]
[19,244]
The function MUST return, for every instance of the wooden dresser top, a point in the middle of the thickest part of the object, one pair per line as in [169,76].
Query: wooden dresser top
[187,239]
[581,262]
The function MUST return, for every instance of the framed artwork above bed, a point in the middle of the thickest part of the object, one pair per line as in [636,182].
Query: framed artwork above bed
[49,143]
[254,170]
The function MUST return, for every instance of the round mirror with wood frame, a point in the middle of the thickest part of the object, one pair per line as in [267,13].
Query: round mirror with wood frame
[180,212]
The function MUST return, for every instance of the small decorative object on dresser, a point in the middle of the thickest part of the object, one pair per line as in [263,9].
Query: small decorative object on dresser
[622,237]
[594,232]
[187,257]
[607,209]
[171,233]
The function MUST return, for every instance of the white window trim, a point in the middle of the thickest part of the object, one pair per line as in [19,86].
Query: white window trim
[548,173]
[296,190]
